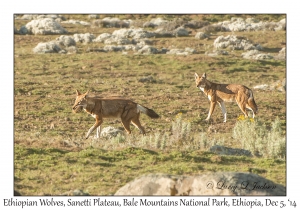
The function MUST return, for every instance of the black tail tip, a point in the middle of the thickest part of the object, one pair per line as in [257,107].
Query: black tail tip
[152,114]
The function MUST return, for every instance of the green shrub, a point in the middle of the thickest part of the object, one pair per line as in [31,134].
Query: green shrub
[261,141]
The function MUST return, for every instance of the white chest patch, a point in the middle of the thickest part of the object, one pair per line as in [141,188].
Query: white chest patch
[202,89]
[209,97]
[93,115]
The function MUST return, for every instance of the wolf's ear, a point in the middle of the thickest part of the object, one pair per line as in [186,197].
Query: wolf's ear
[196,75]
[87,92]
[204,75]
[78,93]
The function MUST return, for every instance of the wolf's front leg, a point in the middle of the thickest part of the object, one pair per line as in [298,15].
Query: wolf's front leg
[211,110]
[96,125]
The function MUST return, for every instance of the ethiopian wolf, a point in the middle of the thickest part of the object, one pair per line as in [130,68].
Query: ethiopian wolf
[218,93]
[100,108]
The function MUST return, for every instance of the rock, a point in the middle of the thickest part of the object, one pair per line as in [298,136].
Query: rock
[115,23]
[47,47]
[93,16]
[138,33]
[221,150]
[235,43]
[186,51]
[79,22]
[147,50]
[71,50]
[102,37]
[118,41]
[261,87]
[66,41]
[148,79]
[212,184]
[262,56]
[251,24]
[256,55]
[279,85]
[113,48]
[84,38]
[76,192]
[180,31]
[217,52]
[95,50]
[110,132]
[57,18]
[281,55]
[201,35]
[23,30]
[45,26]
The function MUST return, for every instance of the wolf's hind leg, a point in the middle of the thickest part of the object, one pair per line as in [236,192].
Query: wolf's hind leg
[136,122]
[222,105]
[126,125]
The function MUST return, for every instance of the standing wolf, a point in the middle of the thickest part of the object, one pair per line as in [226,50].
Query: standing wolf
[218,93]
[100,108]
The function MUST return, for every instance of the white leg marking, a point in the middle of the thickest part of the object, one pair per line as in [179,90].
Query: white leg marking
[98,132]
[253,115]
[223,110]
[208,117]
[89,132]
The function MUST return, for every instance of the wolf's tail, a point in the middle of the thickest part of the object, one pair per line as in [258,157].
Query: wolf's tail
[147,111]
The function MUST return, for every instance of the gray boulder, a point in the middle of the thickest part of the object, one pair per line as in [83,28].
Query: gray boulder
[212,184]
[235,43]
[147,50]
[281,55]
[102,37]
[66,41]
[47,47]
[76,192]
[256,55]
[45,26]
[201,35]
[181,31]
[57,18]
[221,150]
[113,48]
[84,38]
[79,22]
[110,132]
[23,30]
[251,24]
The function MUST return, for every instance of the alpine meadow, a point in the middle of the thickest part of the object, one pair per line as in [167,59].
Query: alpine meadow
[148,61]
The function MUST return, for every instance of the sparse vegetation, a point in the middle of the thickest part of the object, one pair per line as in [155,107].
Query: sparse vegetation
[52,156]
[261,141]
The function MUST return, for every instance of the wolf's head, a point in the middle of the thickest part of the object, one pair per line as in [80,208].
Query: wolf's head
[200,81]
[80,102]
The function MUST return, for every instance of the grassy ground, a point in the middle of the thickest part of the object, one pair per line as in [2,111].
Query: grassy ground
[51,155]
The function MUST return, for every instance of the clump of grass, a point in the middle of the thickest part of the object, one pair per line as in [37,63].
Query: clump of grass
[261,141]
[180,138]
[118,139]
[180,129]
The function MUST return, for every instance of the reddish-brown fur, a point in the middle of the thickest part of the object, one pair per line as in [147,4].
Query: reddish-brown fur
[100,108]
[220,93]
